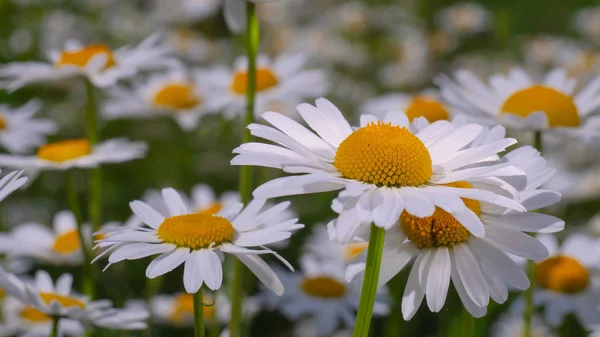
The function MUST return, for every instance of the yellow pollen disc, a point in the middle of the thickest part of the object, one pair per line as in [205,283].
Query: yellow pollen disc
[196,231]
[422,106]
[440,229]
[352,250]
[2,123]
[562,274]
[63,300]
[67,242]
[178,96]
[265,79]
[183,308]
[384,155]
[323,286]
[65,150]
[33,315]
[2,294]
[211,210]
[559,108]
[81,57]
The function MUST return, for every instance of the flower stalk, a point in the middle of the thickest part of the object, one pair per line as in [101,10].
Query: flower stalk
[371,278]
[198,314]
[54,332]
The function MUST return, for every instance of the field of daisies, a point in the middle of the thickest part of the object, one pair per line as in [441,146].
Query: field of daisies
[299,168]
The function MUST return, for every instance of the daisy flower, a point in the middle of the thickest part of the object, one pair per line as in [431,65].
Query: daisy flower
[199,240]
[321,247]
[411,58]
[568,281]
[77,153]
[425,104]
[186,10]
[320,292]
[479,267]
[382,167]
[511,325]
[172,94]
[282,81]
[20,131]
[587,23]
[43,299]
[96,62]
[10,183]
[464,18]
[178,309]
[521,102]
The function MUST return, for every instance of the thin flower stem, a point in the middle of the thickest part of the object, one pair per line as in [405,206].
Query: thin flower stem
[198,314]
[54,332]
[95,202]
[73,199]
[215,325]
[528,310]
[152,288]
[467,324]
[369,287]
[246,172]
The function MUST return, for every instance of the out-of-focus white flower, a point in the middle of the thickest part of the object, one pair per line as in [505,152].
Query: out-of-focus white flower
[511,325]
[96,62]
[307,327]
[464,18]
[425,104]
[587,23]
[321,247]
[77,153]
[234,12]
[191,45]
[411,58]
[282,81]
[174,94]
[19,131]
[185,10]
[10,183]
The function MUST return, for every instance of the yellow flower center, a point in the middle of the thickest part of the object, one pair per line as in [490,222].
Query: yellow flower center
[440,229]
[213,209]
[65,301]
[65,150]
[33,315]
[352,250]
[562,274]
[67,242]
[81,57]
[196,231]
[558,107]
[2,294]
[183,308]
[2,123]
[323,286]
[422,106]
[265,79]
[179,96]
[384,155]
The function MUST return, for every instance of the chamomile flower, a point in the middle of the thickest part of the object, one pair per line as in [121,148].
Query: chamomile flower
[42,299]
[411,59]
[568,281]
[199,240]
[186,10]
[521,102]
[173,94]
[479,267]
[10,183]
[587,23]
[511,325]
[77,153]
[425,104]
[321,247]
[178,309]
[282,81]
[20,131]
[96,62]
[382,167]
[464,18]
[320,292]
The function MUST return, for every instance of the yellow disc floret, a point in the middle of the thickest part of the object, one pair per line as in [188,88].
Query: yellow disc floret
[33,315]
[196,231]
[352,250]
[423,106]
[323,286]
[64,301]
[2,123]
[562,274]
[2,294]
[440,229]
[384,155]
[559,108]
[179,96]
[67,242]
[81,57]
[265,79]
[183,308]
[211,209]
[65,150]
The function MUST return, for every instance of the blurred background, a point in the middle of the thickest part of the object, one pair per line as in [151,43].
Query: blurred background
[368,48]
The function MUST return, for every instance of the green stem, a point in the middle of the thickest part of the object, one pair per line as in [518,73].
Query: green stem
[215,325]
[95,202]
[467,324]
[198,314]
[393,325]
[151,289]
[246,172]
[54,332]
[73,199]
[528,310]
[369,286]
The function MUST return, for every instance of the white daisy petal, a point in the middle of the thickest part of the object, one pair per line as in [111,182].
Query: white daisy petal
[263,272]
[167,262]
